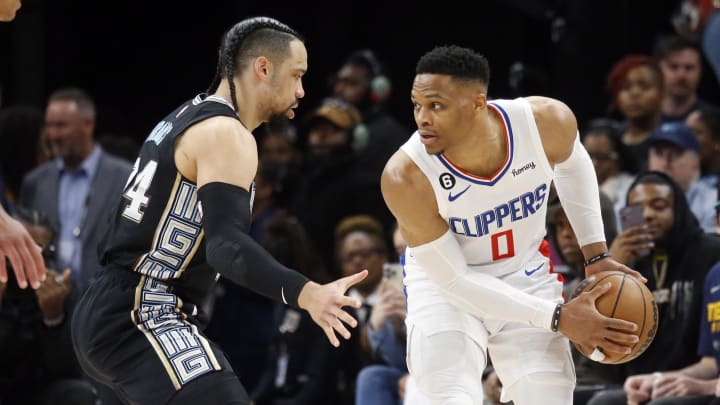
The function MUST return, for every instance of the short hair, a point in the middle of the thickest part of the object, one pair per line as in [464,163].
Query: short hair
[668,45]
[458,62]
[249,39]
[653,177]
[85,103]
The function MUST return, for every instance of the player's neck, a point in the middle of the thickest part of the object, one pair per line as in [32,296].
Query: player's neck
[484,149]
[246,106]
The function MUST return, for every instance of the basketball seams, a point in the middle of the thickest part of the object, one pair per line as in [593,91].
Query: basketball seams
[643,332]
[615,305]
[617,296]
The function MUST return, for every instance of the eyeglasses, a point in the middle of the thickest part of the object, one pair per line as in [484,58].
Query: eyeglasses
[361,253]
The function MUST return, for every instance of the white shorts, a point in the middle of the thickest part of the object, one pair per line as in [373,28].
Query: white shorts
[518,351]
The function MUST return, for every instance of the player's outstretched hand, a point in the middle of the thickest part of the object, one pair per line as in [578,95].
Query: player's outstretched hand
[325,304]
[24,254]
[581,322]
[610,264]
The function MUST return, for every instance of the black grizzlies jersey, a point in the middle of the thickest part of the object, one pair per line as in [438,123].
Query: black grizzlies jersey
[157,225]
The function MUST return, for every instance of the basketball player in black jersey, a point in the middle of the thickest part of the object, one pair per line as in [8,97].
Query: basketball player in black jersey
[182,222]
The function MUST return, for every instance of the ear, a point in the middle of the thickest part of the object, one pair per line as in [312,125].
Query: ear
[262,67]
[480,101]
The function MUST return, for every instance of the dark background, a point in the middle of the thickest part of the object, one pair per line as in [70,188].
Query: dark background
[139,60]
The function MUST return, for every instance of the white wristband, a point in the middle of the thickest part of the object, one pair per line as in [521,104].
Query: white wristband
[597,355]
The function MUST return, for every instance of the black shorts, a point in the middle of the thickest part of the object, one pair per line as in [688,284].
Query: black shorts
[129,332]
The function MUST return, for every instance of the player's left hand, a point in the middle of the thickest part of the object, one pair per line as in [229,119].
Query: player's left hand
[325,304]
[610,264]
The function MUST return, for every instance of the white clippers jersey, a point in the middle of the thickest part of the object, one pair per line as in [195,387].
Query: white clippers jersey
[499,221]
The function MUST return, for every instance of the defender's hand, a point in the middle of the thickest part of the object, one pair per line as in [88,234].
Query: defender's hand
[325,303]
[24,254]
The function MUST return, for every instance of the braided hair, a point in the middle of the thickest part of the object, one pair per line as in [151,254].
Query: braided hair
[248,39]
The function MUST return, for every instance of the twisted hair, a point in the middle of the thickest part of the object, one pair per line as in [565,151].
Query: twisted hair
[247,39]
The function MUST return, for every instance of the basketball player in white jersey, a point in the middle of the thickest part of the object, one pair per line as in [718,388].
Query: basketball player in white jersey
[469,190]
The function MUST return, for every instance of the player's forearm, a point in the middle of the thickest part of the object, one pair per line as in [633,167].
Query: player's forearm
[594,249]
[234,254]
[480,294]
[577,187]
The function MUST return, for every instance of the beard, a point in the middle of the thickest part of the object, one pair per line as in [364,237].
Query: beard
[284,114]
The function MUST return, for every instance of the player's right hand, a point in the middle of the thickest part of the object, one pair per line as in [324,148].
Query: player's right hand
[325,304]
[24,255]
[581,322]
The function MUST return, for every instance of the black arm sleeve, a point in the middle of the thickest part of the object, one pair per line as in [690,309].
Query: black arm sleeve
[234,254]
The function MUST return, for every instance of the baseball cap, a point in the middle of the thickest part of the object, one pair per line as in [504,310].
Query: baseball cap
[676,133]
[337,111]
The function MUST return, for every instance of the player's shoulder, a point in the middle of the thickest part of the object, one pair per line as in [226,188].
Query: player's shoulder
[401,172]
[217,127]
[552,114]
[219,123]
[549,108]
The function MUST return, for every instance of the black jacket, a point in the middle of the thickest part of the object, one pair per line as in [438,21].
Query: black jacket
[691,253]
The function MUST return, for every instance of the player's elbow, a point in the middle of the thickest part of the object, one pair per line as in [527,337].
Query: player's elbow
[226,258]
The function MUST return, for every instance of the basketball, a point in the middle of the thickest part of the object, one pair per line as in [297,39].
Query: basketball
[628,299]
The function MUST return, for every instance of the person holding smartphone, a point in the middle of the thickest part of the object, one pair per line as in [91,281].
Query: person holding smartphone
[635,241]
[680,255]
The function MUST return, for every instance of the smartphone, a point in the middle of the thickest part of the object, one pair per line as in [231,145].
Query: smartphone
[632,215]
[393,273]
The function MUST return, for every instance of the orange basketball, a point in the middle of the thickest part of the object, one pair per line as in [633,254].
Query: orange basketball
[628,299]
